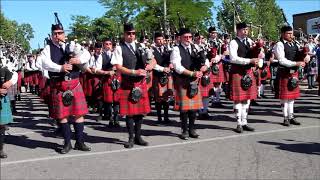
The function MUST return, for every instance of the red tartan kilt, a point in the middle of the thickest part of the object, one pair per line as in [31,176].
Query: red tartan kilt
[206,89]
[149,85]
[108,95]
[220,77]
[27,77]
[96,92]
[35,77]
[236,91]
[79,105]
[45,94]
[42,81]
[82,80]
[182,101]
[127,106]
[162,92]
[268,73]
[19,80]
[281,85]
[87,84]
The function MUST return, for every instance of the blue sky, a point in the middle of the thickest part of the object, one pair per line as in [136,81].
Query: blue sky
[39,13]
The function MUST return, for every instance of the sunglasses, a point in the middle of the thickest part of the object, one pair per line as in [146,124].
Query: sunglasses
[187,37]
[58,33]
[107,43]
[131,33]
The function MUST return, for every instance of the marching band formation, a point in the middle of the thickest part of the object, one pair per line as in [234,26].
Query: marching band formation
[121,80]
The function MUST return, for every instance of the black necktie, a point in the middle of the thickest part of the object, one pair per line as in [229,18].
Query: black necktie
[130,46]
[188,51]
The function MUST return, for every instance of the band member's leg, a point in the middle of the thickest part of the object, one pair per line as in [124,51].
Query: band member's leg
[158,106]
[285,111]
[238,113]
[244,116]
[130,129]
[137,130]
[66,133]
[78,128]
[2,137]
[292,119]
[165,106]
[192,119]
[184,125]
[116,117]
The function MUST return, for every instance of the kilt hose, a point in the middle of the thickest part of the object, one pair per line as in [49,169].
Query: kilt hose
[182,101]
[19,80]
[162,92]
[110,96]
[281,85]
[127,106]
[78,106]
[237,93]
[220,77]
[5,111]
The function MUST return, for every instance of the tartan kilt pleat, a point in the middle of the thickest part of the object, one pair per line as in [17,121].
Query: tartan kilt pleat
[12,92]
[162,92]
[129,107]
[149,85]
[205,90]
[281,85]
[36,78]
[5,112]
[236,91]
[19,80]
[182,101]
[87,84]
[79,105]
[27,77]
[97,90]
[110,96]
[220,77]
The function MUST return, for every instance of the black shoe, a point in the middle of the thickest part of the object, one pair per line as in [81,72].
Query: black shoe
[167,121]
[254,103]
[81,147]
[193,134]
[106,118]
[66,148]
[3,155]
[294,121]
[140,141]
[286,122]
[99,118]
[116,124]
[264,96]
[111,123]
[247,128]
[184,136]
[239,129]
[129,144]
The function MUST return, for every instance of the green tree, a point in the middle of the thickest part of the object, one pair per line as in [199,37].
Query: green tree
[264,13]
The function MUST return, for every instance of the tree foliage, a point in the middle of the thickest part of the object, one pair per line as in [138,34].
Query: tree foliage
[257,12]
[13,32]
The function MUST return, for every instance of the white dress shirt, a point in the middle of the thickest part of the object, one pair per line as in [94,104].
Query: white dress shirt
[49,65]
[96,63]
[280,55]
[117,54]
[234,58]
[175,58]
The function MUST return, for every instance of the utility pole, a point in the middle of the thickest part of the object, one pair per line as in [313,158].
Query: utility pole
[166,29]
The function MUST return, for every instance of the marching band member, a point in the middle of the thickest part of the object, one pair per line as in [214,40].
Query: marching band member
[242,81]
[189,70]
[287,86]
[66,92]
[130,60]
[162,81]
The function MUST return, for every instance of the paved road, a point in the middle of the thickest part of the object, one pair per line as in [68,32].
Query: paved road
[271,152]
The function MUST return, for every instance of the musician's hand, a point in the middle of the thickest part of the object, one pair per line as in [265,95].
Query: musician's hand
[254,61]
[3,91]
[111,73]
[140,72]
[66,68]
[166,70]
[198,74]
[93,70]
[74,61]
[171,66]
[302,64]
[204,69]
[7,85]
[149,67]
